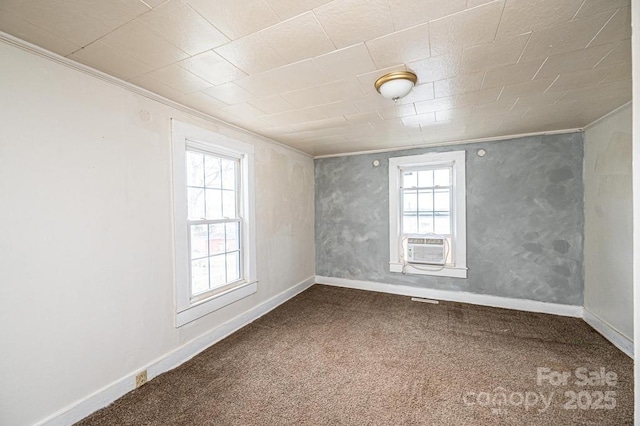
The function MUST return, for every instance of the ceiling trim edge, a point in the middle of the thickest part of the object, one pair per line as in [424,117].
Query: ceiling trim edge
[454,142]
[54,57]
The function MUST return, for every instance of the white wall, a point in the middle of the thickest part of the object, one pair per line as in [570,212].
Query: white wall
[86,275]
[608,251]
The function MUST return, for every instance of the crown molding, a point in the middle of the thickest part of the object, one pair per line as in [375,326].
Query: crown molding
[453,142]
[69,63]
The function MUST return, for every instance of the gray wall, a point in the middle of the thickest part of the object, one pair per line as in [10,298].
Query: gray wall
[524,219]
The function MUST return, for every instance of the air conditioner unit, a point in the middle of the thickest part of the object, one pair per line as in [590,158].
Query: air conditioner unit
[426,249]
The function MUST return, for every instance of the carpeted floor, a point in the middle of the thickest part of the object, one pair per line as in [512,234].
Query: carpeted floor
[348,357]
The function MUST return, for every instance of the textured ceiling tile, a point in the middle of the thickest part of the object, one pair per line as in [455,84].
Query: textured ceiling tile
[372,103]
[620,54]
[293,117]
[450,114]
[243,110]
[333,125]
[460,84]
[212,67]
[184,27]
[417,120]
[436,67]
[201,102]
[363,117]
[593,7]
[408,13]
[352,21]
[347,62]
[229,93]
[400,47]
[477,98]
[107,59]
[619,72]
[528,88]
[272,104]
[564,38]
[236,18]
[465,29]
[155,3]
[179,78]
[342,90]
[397,111]
[17,27]
[618,28]
[573,61]
[577,79]
[78,22]
[434,105]
[512,74]
[252,54]
[540,99]
[287,78]
[620,89]
[304,98]
[490,55]
[521,16]
[336,109]
[143,44]
[298,38]
[156,87]
[286,9]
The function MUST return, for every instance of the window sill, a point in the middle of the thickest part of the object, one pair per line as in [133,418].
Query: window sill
[215,302]
[453,272]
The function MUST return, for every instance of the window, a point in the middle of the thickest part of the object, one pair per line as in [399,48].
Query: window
[214,221]
[426,197]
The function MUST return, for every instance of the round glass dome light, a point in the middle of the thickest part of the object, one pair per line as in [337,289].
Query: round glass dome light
[396,85]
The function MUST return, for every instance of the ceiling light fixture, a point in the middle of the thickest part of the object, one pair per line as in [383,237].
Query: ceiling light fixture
[396,85]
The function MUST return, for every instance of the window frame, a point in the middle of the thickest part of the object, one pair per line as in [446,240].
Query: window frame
[186,136]
[456,160]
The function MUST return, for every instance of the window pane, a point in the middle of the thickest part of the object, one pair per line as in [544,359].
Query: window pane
[425,223]
[212,172]
[195,203]
[410,200]
[199,276]
[441,200]
[442,177]
[233,266]
[442,224]
[410,179]
[216,238]
[425,178]
[410,224]
[232,234]
[228,174]
[214,204]
[195,173]
[217,273]
[198,241]
[425,201]
[229,204]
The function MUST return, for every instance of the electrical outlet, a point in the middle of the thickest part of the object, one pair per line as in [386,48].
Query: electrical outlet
[141,378]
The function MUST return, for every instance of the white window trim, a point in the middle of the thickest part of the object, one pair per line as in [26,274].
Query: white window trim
[459,231]
[186,135]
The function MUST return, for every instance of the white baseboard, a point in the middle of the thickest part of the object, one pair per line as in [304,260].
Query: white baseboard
[457,296]
[115,390]
[611,334]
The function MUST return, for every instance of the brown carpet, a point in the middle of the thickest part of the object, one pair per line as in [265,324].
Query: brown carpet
[348,357]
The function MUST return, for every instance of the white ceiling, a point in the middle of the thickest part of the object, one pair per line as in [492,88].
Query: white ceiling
[302,71]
